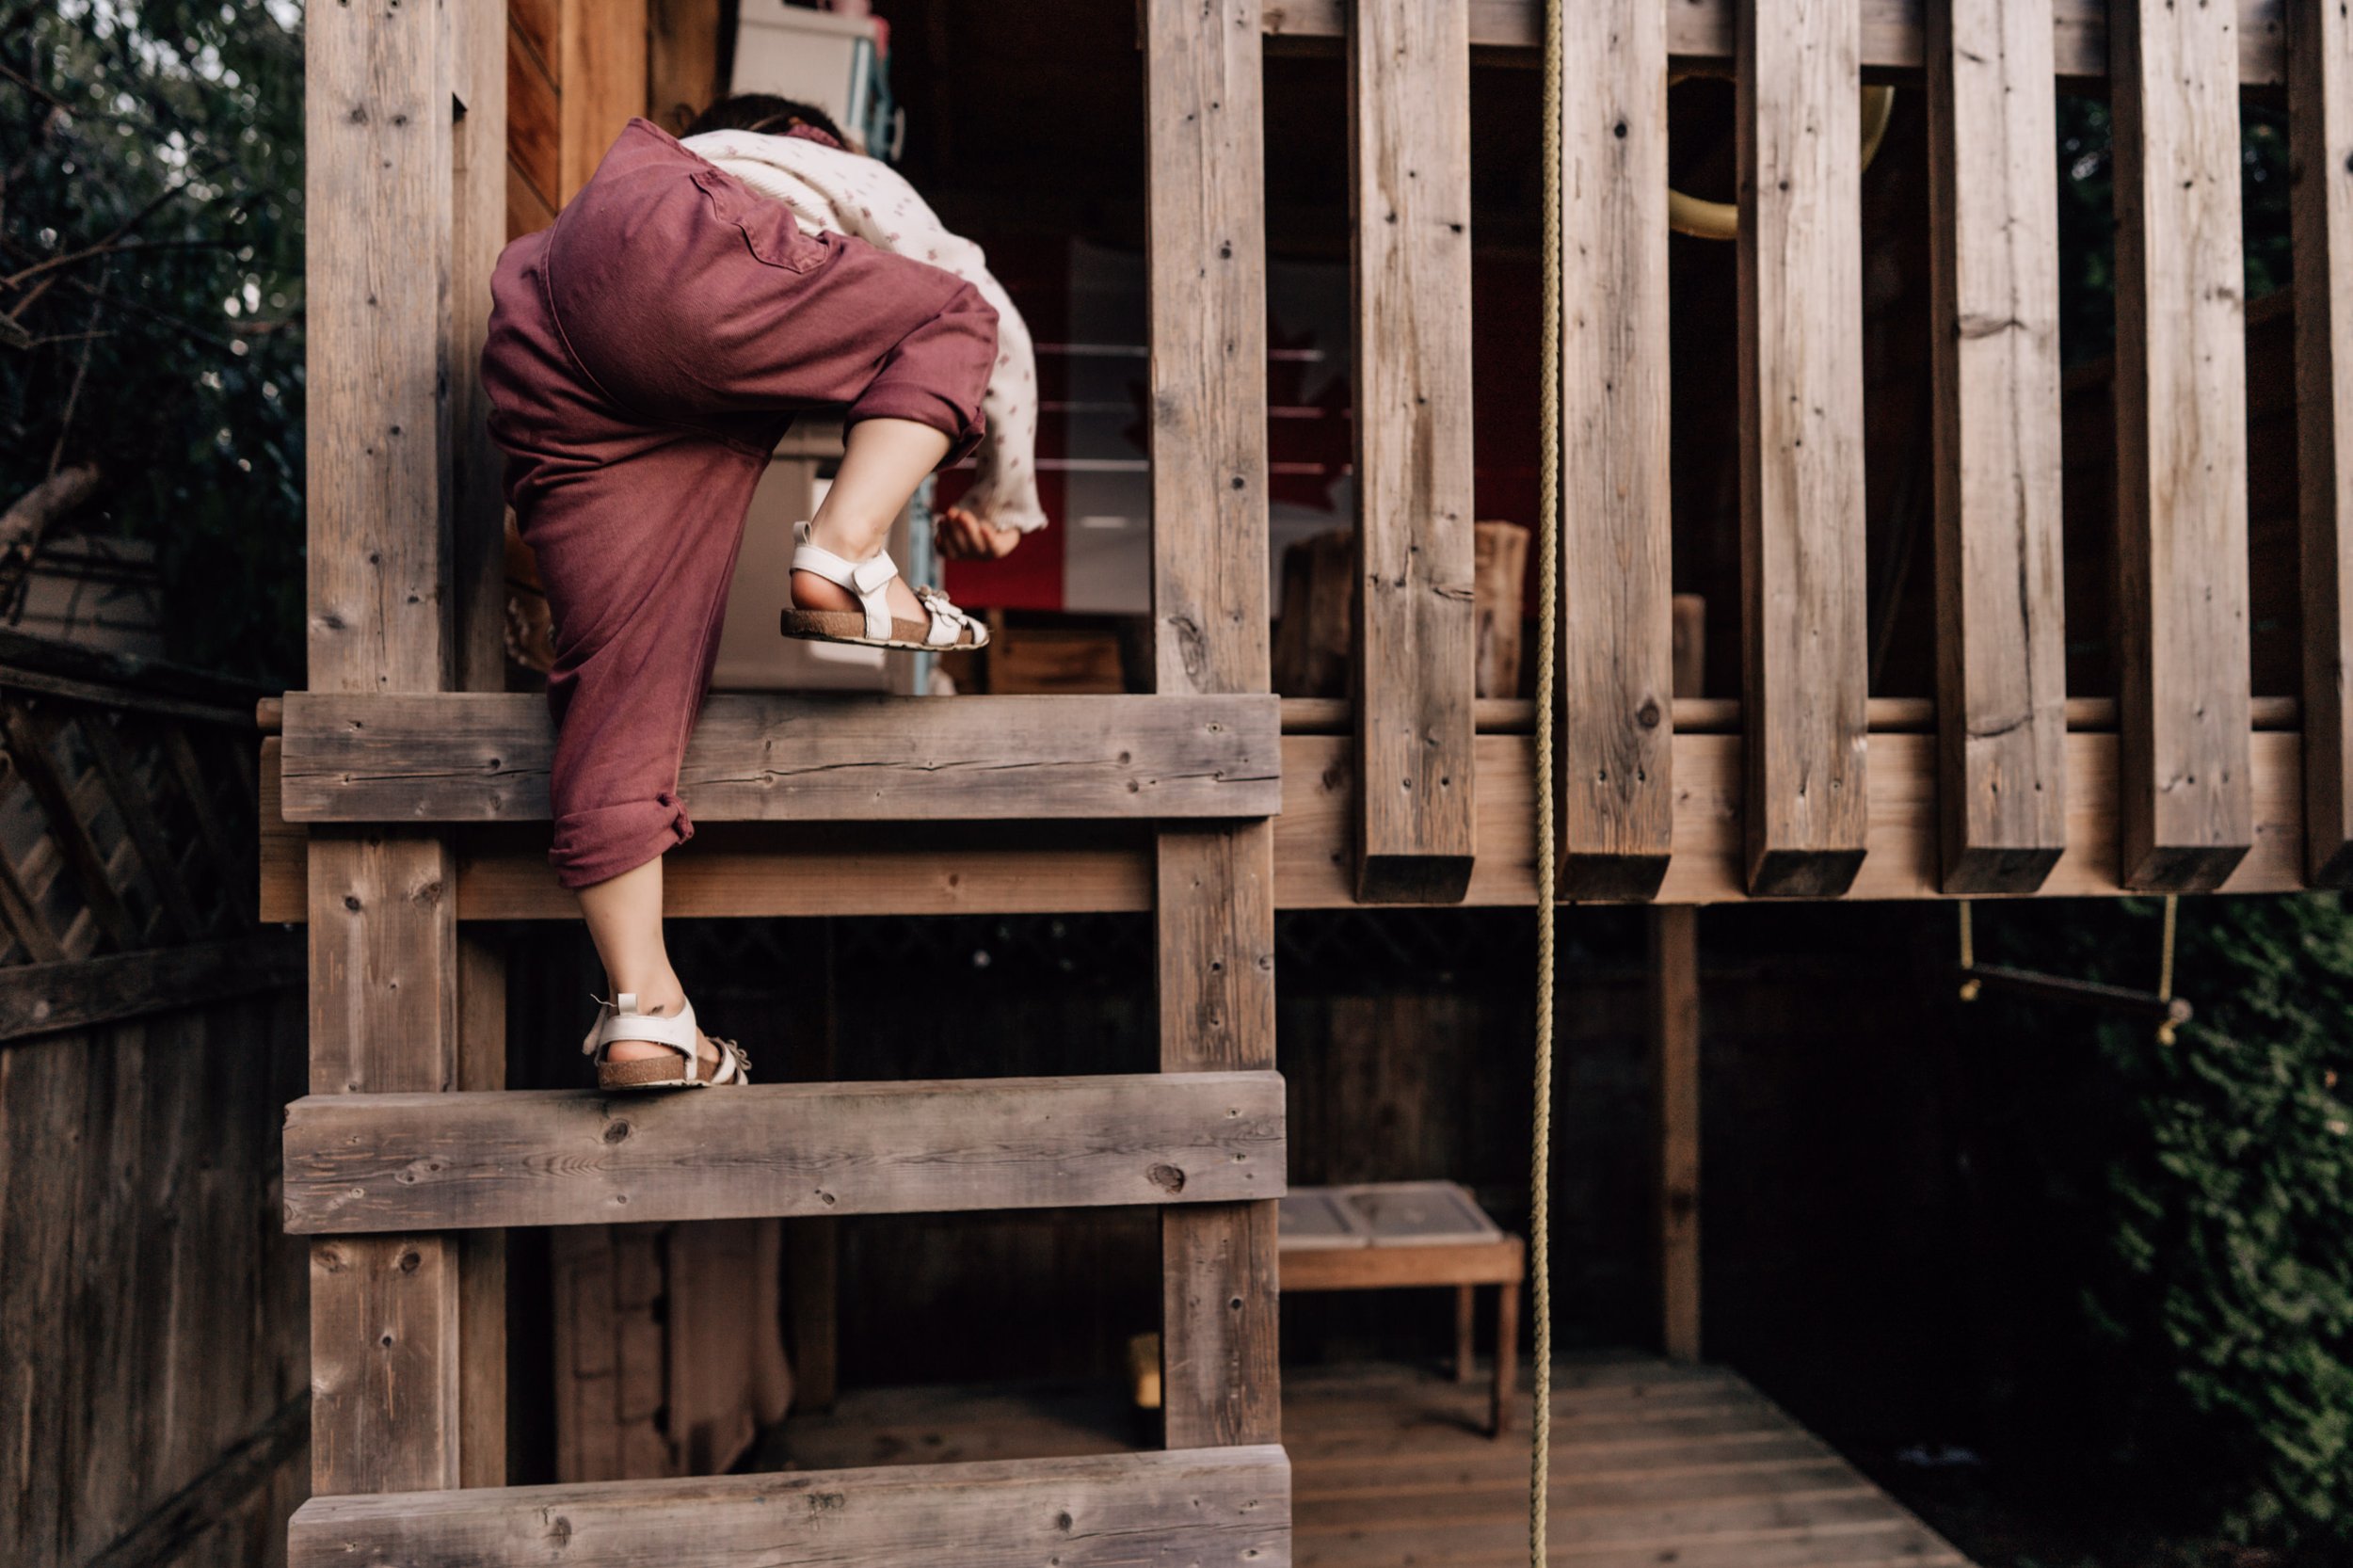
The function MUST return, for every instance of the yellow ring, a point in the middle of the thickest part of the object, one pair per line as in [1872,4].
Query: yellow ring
[1721,220]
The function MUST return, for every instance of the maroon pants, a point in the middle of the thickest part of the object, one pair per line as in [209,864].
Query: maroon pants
[644,356]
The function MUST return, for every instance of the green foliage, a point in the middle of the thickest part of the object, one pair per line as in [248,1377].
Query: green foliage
[151,246]
[2232,1224]
[2195,1202]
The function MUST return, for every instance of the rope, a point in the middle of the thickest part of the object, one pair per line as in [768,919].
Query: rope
[1970,985]
[1547,610]
[2165,966]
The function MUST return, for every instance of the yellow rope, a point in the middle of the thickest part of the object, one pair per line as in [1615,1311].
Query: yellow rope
[1970,985]
[1547,609]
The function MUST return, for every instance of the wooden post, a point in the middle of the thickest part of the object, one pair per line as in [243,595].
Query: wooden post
[2320,128]
[1807,665]
[1614,722]
[382,180]
[1215,886]
[2000,632]
[2184,799]
[1409,110]
[1675,1051]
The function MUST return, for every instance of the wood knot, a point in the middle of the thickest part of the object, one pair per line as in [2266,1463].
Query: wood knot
[617,1133]
[1648,715]
[1168,1179]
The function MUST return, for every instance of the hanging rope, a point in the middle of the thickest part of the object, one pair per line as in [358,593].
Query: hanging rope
[1547,609]
[1970,985]
[2164,968]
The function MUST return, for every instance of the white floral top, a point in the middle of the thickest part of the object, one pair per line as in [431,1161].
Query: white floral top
[848,192]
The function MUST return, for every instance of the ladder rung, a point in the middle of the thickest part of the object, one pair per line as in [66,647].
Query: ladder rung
[1217,1508]
[358,1163]
[484,756]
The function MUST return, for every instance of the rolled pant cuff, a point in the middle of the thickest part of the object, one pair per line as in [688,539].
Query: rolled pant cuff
[910,401]
[598,846]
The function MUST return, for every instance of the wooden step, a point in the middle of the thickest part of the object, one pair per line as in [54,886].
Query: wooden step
[445,1161]
[484,756]
[1205,1507]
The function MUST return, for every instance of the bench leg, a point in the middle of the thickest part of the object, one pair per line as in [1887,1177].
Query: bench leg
[1507,1356]
[1465,1325]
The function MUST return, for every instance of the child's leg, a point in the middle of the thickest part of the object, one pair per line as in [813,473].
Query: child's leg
[624,915]
[882,463]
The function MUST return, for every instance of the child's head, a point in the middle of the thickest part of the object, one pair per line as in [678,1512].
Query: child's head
[767,113]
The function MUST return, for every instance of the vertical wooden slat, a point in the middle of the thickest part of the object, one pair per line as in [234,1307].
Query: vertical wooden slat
[1993,242]
[1807,666]
[477,232]
[1206,255]
[1614,722]
[380,175]
[602,74]
[482,1254]
[2320,128]
[2183,795]
[1409,109]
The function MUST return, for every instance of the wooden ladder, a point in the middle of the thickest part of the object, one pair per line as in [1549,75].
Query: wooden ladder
[408,1160]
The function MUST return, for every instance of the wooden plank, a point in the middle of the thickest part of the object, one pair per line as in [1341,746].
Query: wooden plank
[1807,663]
[165,1534]
[73,993]
[1501,1263]
[477,543]
[482,756]
[482,1254]
[2181,448]
[683,42]
[1228,1506]
[1701,33]
[1415,645]
[602,74]
[534,127]
[2001,634]
[21,914]
[561,1156]
[2320,128]
[1614,717]
[1213,890]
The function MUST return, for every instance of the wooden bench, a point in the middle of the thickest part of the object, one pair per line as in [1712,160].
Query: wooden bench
[1393,1235]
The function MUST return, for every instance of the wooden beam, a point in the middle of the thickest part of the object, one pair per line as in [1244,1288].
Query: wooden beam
[562,1157]
[382,82]
[1213,889]
[1701,33]
[478,234]
[2000,616]
[1409,116]
[2320,130]
[1614,725]
[1807,663]
[482,757]
[1224,1508]
[75,992]
[737,871]
[2181,448]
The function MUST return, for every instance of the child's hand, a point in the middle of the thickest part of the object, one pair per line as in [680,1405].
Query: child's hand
[963,536]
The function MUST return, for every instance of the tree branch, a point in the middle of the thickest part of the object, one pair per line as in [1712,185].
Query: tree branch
[46,505]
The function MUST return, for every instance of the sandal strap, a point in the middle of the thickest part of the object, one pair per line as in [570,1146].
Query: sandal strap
[948,623]
[866,579]
[620,1021]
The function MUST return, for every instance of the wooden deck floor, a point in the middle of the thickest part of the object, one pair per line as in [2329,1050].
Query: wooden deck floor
[1653,1465]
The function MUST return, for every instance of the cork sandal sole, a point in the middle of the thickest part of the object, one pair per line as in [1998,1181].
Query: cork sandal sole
[849,627]
[666,1071]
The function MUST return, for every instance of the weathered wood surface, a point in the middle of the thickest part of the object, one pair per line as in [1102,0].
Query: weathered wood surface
[75,992]
[1502,1262]
[1806,661]
[1213,889]
[1410,190]
[1613,724]
[2000,633]
[380,175]
[1207,1507]
[2320,128]
[1675,1053]
[752,870]
[1701,33]
[574,1156]
[485,757]
[479,68]
[2185,796]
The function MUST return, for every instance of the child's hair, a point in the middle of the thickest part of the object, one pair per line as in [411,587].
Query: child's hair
[764,112]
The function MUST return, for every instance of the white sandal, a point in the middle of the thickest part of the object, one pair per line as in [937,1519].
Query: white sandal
[688,1063]
[872,625]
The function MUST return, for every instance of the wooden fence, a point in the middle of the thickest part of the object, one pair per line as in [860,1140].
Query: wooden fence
[156,1354]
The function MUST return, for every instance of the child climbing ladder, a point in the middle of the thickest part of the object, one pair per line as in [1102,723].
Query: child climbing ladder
[645,355]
